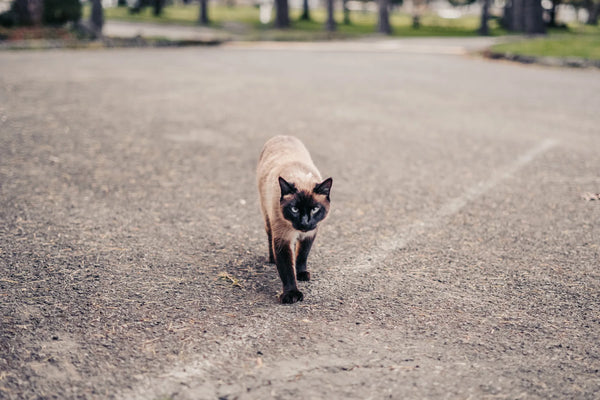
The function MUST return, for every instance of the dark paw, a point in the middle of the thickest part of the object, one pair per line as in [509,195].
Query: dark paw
[271,259]
[303,276]
[291,296]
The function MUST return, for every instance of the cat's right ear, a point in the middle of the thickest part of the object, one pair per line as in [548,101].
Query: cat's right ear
[323,187]
[286,187]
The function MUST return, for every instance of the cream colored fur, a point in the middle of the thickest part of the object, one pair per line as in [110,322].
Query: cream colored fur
[286,157]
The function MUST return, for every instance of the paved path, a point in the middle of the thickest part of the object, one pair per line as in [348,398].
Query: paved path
[375,44]
[125,29]
[460,259]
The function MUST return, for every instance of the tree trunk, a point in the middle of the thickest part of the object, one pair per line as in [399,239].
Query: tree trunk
[507,15]
[418,7]
[484,29]
[282,14]
[203,17]
[416,21]
[97,17]
[533,17]
[158,7]
[305,11]
[29,12]
[137,7]
[330,24]
[346,12]
[383,24]
[593,13]
[524,16]
[517,16]
[552,12]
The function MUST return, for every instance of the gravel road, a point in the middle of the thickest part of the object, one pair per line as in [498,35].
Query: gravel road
[460,258]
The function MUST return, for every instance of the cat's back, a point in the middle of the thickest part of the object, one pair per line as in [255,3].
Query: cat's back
[284,149]
[282,155]
[285,156]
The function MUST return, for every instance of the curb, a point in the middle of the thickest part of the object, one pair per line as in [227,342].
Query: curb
[105,43]
[569,62]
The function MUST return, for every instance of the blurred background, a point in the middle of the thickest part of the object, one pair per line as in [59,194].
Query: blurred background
[570,26]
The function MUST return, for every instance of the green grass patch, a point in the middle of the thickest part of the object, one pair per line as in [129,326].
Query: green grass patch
[579,41]
[187,14]
[244,20]
[587,47]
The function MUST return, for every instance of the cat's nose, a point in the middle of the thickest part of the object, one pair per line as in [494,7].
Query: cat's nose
[304,225]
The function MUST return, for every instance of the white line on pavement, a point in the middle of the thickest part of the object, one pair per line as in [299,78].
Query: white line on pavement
[410,232]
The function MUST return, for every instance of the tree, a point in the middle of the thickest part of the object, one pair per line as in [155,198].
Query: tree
[383,22]
[59,12]
[524,16]
[552,13]
[305,11]
[97,17]
[28,12]
[593,9]
[346,12]
[203,17]
[418,8]
[157,7]
[137,6]
[484,29]
[47,12]
[330,23]
[282,14]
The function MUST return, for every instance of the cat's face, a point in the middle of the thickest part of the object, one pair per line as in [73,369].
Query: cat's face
[305,209]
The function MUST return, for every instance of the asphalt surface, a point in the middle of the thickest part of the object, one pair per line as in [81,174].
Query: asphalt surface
[460,259]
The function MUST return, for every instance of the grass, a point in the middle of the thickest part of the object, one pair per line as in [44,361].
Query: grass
[586,46]
[244,20]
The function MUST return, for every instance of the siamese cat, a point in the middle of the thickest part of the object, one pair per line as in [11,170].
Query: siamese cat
[294,198]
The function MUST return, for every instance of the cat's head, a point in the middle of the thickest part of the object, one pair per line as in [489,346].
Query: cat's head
[305,208]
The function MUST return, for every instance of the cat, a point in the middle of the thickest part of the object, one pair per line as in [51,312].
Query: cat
[294,200]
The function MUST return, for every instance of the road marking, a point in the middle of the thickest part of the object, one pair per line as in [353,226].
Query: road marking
[410,232]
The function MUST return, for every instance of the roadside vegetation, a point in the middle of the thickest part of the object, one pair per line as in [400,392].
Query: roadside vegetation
[568,41]
[245,20]
[581,42]
[68,20]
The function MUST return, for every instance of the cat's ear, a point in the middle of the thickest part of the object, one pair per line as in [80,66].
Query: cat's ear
[286,187]
[323,187]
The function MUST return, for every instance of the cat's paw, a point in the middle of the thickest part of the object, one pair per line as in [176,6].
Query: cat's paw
[303,276]
[291,296]
[271,259]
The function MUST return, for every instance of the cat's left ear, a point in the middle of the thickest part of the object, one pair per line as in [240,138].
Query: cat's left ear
[286,187]
[323,187]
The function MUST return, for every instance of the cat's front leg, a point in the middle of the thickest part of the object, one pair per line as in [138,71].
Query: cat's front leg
[271,254]
[303,249]
[284,258]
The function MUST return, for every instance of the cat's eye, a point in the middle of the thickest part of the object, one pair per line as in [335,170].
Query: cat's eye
[315,210]
[294,209]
